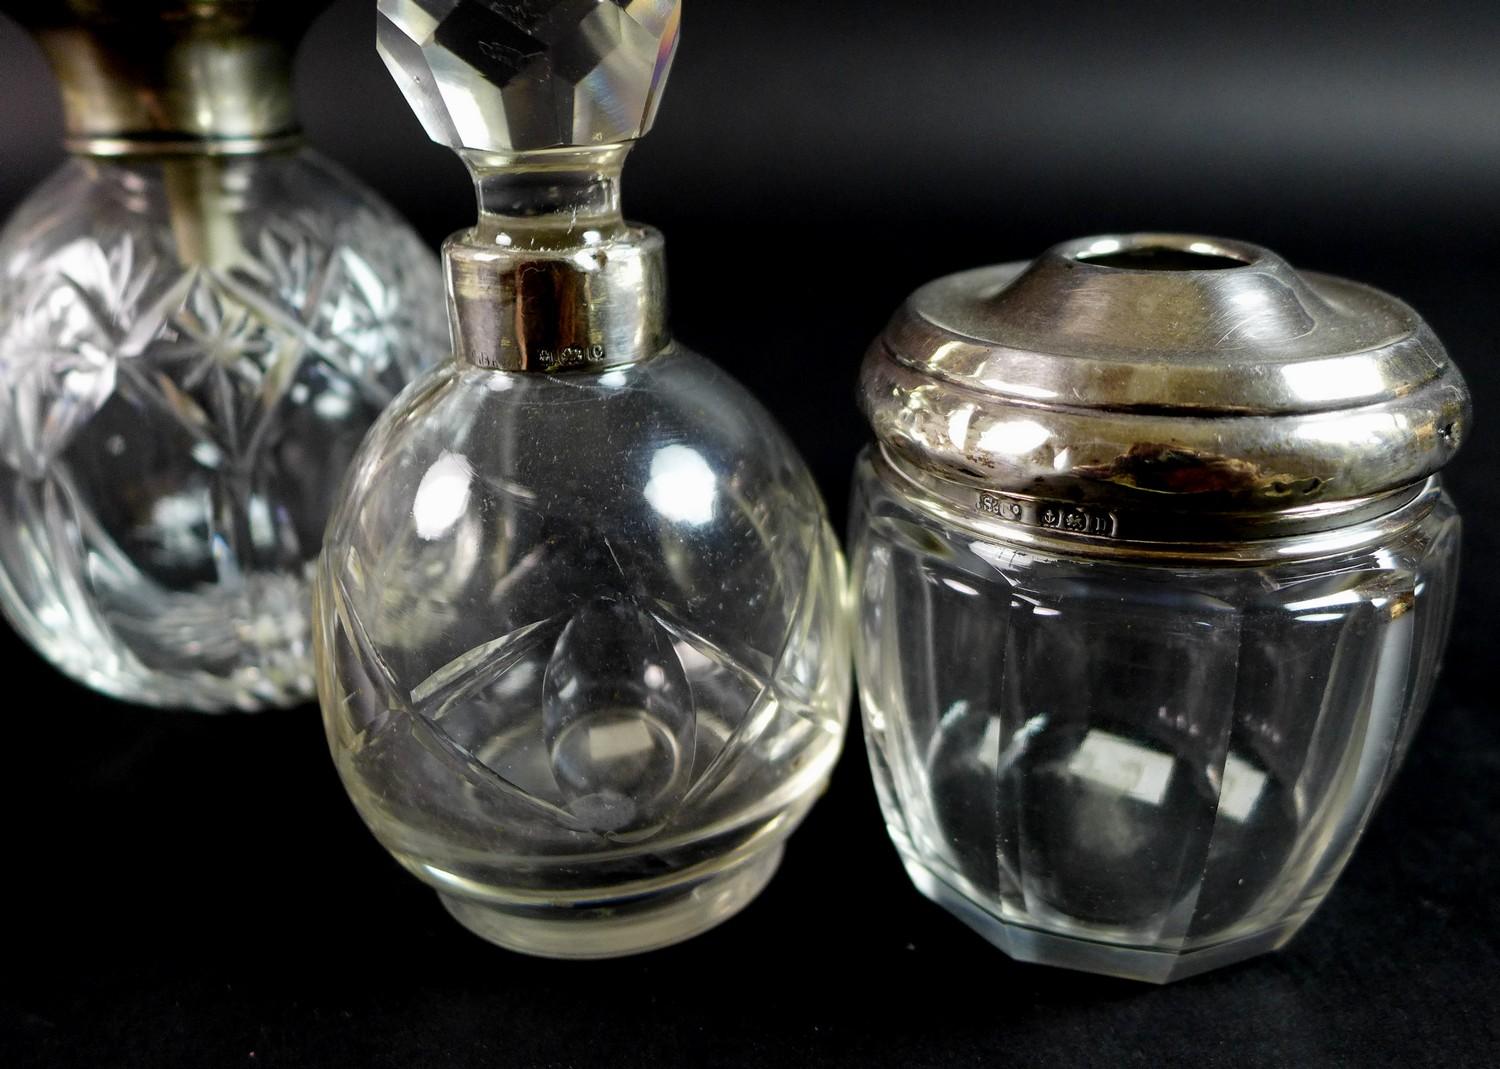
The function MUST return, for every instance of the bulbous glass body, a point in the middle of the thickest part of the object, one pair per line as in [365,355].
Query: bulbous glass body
[1139,768]
[581,648]
[191,349]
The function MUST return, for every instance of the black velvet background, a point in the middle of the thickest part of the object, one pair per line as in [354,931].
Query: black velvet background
[189,891]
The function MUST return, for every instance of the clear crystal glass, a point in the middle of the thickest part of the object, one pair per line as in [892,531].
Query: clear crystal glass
[1138,769]
[582,648]
[191,349]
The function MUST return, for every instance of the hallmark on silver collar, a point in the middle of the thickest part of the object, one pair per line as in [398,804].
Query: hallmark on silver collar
[570,357]
[1049,515]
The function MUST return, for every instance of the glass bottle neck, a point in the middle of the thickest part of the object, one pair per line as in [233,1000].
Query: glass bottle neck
[558,199]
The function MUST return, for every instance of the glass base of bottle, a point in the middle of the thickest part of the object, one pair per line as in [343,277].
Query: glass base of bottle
[1149,964]
[208,652]
[246,692]
[607,928]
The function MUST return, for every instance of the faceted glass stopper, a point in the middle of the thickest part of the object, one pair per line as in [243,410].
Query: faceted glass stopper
[521,75]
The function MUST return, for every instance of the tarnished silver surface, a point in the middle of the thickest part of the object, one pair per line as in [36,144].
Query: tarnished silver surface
[1202,388]
[522,75]
[172,77]
[1205,537]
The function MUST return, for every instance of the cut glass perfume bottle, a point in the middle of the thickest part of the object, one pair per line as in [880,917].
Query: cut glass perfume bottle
[199,320]
[581,639]
[1154,574]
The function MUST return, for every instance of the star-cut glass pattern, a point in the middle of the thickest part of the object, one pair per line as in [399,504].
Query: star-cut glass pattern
[192,414]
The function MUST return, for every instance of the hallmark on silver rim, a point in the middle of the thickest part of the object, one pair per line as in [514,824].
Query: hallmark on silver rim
[570,357]
[1049,515]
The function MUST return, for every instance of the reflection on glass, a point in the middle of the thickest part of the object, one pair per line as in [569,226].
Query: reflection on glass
[682,487]
[442,496]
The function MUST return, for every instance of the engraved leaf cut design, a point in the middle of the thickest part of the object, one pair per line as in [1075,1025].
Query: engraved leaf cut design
[616,716]
[641,715]
[618,719]
[585,718]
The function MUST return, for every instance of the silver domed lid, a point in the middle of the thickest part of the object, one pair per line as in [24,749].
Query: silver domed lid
[514,76]
[1129,385]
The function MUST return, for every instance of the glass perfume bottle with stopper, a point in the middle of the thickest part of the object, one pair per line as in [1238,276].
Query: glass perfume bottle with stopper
[1155,571]
[199,320]
[581,639]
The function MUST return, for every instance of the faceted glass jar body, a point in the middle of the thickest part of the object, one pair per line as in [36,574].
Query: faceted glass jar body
[582,648]
[1143,769]
[191,349]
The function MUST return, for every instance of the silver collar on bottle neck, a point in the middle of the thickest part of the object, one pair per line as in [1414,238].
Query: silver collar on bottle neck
[173,77]
[584,308]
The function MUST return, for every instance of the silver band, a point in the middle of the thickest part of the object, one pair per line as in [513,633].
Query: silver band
[173,144]
[558,310]
[1227,537]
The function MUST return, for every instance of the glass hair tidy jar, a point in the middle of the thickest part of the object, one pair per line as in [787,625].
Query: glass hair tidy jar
[1154,572]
